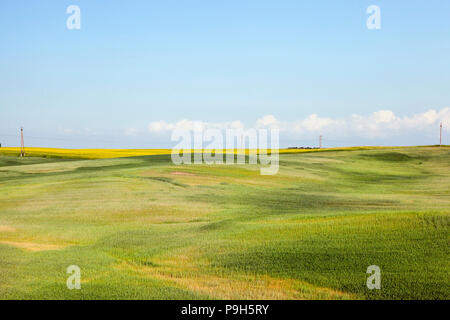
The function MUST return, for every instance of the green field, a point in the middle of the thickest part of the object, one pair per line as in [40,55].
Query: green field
[143,228]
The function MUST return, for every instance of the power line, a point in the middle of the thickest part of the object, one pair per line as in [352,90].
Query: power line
[61,139]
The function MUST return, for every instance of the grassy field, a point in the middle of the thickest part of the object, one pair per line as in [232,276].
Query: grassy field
[142,228]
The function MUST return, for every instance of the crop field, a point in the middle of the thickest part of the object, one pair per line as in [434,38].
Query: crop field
[83,153]
[140,227]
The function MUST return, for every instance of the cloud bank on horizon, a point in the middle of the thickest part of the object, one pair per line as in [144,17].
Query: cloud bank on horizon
[377,125]
[382,127]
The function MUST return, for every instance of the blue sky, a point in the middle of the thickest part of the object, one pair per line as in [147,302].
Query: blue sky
[135,63]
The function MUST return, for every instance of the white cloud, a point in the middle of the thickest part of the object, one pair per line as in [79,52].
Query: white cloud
[383,116]
[385,122]
[268,121]
[313,123]
[381,123]
[378,124]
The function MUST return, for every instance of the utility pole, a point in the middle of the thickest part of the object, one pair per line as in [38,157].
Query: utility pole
[440,136]
[320,142]
[22,144]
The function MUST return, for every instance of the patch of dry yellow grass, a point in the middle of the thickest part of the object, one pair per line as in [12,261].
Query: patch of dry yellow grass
[4,228]
[184,270]
[240,286]
[30,246]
